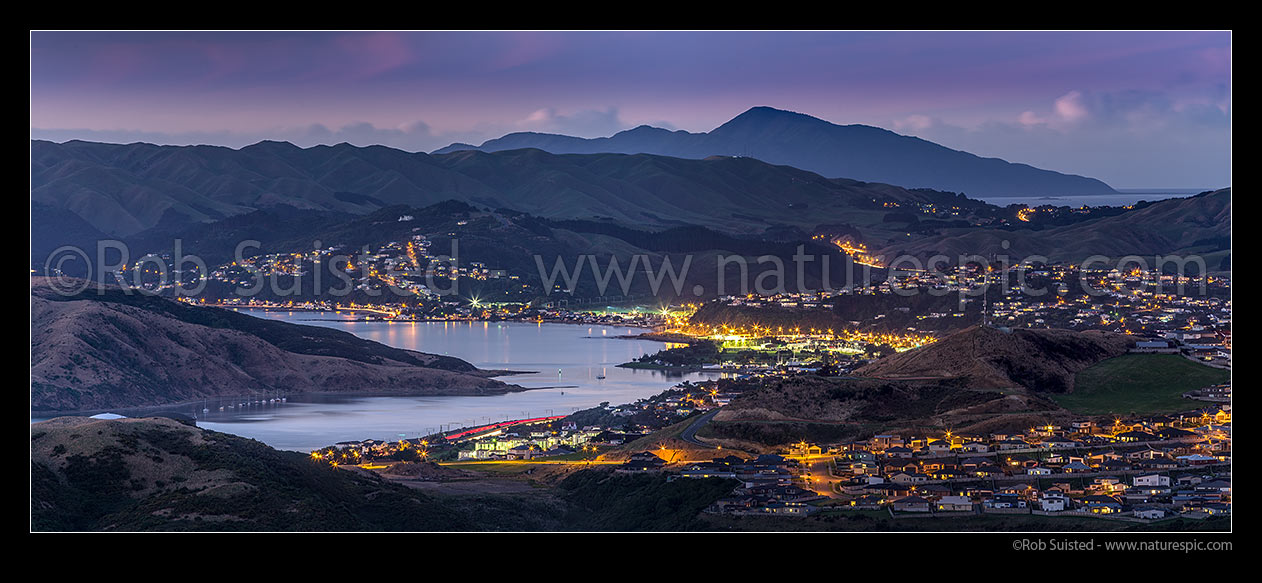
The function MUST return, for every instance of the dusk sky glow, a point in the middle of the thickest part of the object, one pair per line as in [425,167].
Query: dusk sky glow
[1135,109]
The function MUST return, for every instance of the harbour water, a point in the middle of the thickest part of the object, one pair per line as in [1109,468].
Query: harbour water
[1123,198]
[567,360]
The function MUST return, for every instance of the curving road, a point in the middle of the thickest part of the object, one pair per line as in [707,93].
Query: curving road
[690,433]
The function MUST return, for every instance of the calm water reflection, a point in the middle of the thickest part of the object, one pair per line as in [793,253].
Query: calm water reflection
[567,358]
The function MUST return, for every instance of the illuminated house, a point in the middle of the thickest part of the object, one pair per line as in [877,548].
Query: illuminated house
[1002,501]
[939,446]
[1133,436]
[1075,466]
[976,447]
[1102,504]
[954,504]
[642,462]
[789,508]
[1197,459]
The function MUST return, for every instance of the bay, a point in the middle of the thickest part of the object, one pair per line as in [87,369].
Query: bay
[563,364]
[1123,198]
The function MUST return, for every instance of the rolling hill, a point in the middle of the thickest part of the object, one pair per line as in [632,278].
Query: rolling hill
[1036,359]
[160,474]
[979,379]
[91,351]
[1195,225]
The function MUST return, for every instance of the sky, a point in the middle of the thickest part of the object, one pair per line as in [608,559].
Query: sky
[1136,109]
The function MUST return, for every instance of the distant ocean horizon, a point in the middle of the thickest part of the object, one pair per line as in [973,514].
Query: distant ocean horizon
[1123,197]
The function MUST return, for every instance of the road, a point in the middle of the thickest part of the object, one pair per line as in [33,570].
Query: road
[534,462]
[818,476]
[690,433]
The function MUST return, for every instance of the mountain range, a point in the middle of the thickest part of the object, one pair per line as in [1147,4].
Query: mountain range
[83,192]
[120,190]
[858,152]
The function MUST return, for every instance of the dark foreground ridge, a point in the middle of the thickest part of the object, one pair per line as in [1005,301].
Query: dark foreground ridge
[157,474]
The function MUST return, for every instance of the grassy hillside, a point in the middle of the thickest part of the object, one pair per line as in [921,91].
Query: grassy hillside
[639,502]
[296,338]
[157,474]
[1037,359]
[92,352]
[1139,383]
[780,411]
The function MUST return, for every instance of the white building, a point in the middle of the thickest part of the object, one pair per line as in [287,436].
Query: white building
[1053,501]
[1150,513]
[1152,480]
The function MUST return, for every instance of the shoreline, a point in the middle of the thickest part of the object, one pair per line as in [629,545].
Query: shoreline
[147,410]
[666,367]
[660,337]
[406,321]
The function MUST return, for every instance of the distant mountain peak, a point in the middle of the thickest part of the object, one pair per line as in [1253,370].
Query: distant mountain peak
[766,113]
[855,151]
[272,145]
[643,128]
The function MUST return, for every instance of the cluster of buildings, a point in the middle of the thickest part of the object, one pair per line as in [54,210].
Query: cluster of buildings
[1057,294]
[540,438]
[1149,496]
[768,483]
[1146,468]
[535,443]
[404,265]
[1165,313]
[1112,469]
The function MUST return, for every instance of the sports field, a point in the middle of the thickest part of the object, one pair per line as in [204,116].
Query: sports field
[1140,383]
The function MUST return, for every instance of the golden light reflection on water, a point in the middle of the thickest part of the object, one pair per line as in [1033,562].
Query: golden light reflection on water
[581,354]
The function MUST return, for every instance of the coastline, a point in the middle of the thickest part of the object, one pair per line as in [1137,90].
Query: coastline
[666,367]
[147,410]
[660,337]
[414,320]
